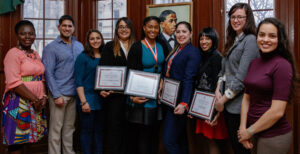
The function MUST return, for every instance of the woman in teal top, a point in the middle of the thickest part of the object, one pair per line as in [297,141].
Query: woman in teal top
[90,113]
[143,115]
[149,66]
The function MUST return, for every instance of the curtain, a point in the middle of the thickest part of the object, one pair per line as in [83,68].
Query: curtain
[9,5]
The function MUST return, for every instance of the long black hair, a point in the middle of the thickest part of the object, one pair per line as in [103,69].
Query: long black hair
[88,49]
[283,47]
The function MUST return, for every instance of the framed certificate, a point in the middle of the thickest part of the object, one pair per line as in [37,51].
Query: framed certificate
[203,105]
[110,78]
[144,84]
[170,92]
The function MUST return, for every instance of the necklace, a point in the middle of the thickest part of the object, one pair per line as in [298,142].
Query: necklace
[155,54]
[29,54]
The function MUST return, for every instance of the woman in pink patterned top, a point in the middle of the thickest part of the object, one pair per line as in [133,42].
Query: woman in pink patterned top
[24,99]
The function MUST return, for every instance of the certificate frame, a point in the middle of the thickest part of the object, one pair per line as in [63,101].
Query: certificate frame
[176,84]
[100,71]
[130,84]
[209,110]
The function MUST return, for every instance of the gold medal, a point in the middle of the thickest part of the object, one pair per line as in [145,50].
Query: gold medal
[156,68]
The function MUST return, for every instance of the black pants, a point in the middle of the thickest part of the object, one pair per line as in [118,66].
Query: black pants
[115,124]
[233,124]
[143,139]
[15,147]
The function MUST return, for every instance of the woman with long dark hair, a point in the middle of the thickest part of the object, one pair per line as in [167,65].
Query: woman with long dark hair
[115,53]
[91,109]
[268,89]
[240,49]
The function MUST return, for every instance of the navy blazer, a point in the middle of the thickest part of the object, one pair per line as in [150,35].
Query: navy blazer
[184,68]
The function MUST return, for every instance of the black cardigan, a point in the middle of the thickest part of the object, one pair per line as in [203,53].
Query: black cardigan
[135,55]
[207,76]
[108,58]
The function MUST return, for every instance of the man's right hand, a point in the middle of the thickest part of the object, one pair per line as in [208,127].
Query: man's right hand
[59,102]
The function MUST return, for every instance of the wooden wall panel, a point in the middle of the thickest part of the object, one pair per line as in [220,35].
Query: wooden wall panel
[218,18]
[288,12]
[136,11]
[202,17]
[7,41]
[296,42]
[84,13]
[87,18]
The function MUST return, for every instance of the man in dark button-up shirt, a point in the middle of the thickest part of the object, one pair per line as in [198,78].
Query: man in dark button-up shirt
[59,58]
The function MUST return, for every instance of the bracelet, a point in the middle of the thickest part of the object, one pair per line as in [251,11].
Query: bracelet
[83,103]
[45,96]
[36,100]
[185,105]
[251,131]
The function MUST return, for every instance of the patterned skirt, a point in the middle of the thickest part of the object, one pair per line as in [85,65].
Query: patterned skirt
[20,122]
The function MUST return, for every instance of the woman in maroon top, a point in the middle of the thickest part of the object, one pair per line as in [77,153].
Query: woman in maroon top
[268,87]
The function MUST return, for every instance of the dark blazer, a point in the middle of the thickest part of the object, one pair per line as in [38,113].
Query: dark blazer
[184,68]
[108,58]
[165,42]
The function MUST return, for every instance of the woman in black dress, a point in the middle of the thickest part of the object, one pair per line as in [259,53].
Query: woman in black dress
[115,54]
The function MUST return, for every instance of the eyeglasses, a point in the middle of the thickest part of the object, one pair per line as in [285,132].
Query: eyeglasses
[123,28]
[239,18]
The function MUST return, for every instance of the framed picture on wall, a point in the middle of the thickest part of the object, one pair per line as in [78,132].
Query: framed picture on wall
[170,15]
[183,11]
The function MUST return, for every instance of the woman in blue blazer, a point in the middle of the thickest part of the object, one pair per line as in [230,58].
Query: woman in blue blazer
[182,65]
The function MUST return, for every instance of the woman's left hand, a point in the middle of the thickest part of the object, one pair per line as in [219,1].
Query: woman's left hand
[43,102]
[214,121]
[219,106]
[179,109]
[243,134]
[159,92]
[37,105]
[86,107]
[247,144]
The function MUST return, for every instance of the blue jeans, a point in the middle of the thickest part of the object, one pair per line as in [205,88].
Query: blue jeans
[174,133]
[91,131]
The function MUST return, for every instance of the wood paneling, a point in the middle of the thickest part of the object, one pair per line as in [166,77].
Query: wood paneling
[136,11]
[288,12]
[7,41]
[87,18]
[296,42]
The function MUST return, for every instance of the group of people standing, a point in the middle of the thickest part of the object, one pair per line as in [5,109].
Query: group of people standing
[248,79]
